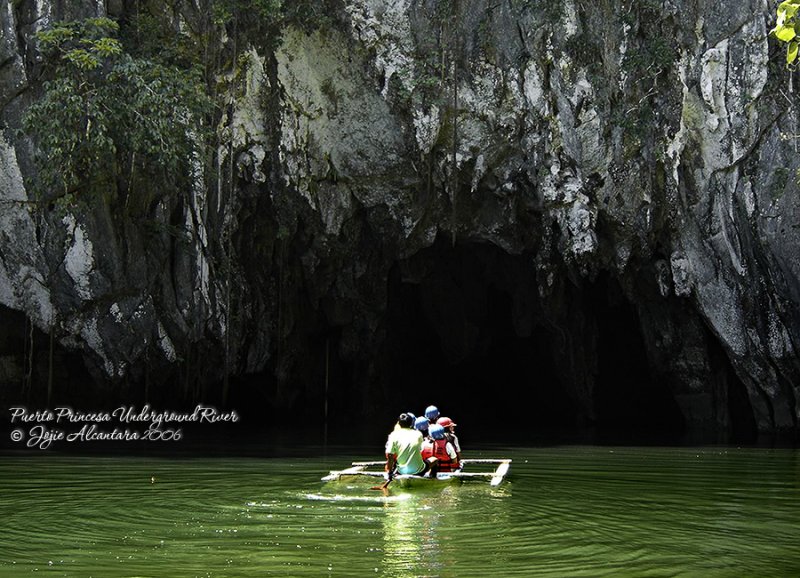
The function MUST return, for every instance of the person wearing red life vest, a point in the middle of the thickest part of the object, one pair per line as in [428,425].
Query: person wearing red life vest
[450,433]
[439,452]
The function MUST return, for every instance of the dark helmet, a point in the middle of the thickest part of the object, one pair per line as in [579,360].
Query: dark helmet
[421,424]
[431,412]
[436,431]
[405,420]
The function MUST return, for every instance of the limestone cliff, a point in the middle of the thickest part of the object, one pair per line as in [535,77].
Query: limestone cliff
[597,168]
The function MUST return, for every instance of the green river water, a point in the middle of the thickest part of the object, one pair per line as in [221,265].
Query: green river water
[564,511]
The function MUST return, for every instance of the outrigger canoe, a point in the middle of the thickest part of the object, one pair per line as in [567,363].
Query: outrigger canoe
[361,470]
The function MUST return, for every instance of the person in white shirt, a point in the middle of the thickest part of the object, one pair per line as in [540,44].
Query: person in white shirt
[404,449]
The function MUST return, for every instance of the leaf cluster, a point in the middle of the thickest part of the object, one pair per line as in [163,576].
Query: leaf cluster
[261,10]
[263,20]
[787,28]
[85,45]
[104,113]
[154,36]
[255,21]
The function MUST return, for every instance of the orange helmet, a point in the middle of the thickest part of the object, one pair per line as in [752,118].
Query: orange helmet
[445,422]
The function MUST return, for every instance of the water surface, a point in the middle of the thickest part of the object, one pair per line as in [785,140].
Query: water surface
[565,511]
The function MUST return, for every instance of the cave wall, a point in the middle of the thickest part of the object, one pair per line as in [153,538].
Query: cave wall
[632,145]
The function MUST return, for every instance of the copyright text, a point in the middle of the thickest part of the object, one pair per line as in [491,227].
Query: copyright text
[41,428]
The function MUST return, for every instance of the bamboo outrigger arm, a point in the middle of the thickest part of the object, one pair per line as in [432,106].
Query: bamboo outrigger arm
[496,477]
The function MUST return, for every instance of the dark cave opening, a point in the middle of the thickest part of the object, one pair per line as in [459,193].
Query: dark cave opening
[36,370]
[455,338]
[464,329]
[631,402]
[462,334]
[742,426]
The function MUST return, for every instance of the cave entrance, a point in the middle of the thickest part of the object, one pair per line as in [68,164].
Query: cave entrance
[36,370]
[463,332]
[466,331]
[631,402]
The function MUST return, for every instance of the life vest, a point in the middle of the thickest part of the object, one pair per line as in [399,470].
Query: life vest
[438,449]
[427,449]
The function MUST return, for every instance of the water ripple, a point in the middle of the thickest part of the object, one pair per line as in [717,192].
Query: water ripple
[565,511]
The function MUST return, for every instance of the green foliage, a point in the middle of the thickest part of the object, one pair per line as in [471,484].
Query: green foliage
[153,36]
[84,46]
[105,115]
[311,15]
[256,21]
[261,21]
[224,11]
[129,108]
[787,28]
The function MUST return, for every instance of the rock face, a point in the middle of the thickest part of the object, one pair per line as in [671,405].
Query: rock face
[597,168]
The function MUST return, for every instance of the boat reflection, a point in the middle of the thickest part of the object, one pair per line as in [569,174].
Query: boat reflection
[414,533]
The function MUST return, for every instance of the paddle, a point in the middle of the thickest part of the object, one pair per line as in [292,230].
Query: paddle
[385,484]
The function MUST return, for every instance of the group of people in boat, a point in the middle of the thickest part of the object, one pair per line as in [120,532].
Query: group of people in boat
[423,446]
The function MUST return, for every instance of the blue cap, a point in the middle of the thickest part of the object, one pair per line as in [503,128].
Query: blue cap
[421,423]
[436,431]
[431,412]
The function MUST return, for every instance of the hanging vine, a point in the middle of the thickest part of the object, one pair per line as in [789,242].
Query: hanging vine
[455,119]
[455,52]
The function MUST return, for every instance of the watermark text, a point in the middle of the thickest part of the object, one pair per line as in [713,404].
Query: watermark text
[41,428]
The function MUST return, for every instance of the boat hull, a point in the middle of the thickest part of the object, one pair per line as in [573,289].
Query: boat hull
[360,471]
[404,481]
